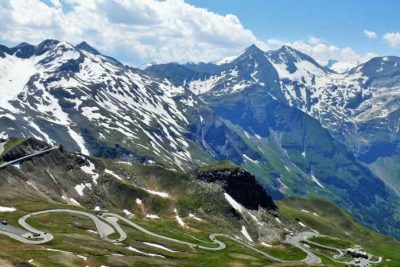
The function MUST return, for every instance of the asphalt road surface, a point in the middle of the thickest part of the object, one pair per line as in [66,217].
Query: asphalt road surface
[103,228]
[107,224]
[26,236]
[27,157]
[110,225]
[213,237]
[295,241]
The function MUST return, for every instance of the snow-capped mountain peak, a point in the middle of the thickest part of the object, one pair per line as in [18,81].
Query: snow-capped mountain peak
[86,98]
[293,64]
[92,97]
[380,71]
[86,47]
[250,70]
[296,79]
[252,50]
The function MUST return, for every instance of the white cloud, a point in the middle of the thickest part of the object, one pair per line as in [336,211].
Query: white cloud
[139,30]
[56,3]
[314,40]
[322,52]
[370,34]
[392,38]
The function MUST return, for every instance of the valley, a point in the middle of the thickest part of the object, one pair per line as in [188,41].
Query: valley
[120,233]
[266,159]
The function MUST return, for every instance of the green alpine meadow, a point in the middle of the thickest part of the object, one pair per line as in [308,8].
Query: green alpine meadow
[199,133]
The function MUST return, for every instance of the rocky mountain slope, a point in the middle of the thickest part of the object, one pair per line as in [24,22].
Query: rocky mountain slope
[181,206]
[93,104]
[359,107]
[259,110]
[169,202]
[259,92]
[362,100]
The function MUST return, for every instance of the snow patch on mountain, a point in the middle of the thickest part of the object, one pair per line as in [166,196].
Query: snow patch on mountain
[81,187]
[127,212]
[157,193]
[152,216]
[315,180]
[144,253]
[159,247]
[178,218]
[62,84]
[14,75]
[7,209]
[90,171]
[246,234]
[203,86]
[113,174]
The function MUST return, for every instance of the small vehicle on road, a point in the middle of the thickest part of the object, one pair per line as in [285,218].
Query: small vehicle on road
[4,222]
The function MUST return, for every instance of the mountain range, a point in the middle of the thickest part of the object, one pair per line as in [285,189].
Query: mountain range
[61,208]
[299,127]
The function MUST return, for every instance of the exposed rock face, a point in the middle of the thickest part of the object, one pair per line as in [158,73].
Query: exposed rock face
[278,114]
[242,186]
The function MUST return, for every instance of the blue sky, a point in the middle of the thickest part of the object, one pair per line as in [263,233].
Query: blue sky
[154,31]
[341,22]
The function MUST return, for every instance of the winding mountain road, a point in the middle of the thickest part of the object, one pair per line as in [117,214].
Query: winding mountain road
[103,228]
[107,224]
[341,252]
[107,227]
[295,241]
[38,153]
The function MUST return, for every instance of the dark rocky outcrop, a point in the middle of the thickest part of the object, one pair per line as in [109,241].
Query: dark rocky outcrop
[240,185]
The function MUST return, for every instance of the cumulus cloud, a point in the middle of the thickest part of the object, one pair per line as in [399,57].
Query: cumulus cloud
[370,34]
[56,3]
[392,38]
[143,31]
[136,30]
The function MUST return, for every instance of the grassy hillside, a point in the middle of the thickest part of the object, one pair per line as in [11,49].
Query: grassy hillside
[72,230]
[285,148]
[333,221]
[186,207]
[50,181]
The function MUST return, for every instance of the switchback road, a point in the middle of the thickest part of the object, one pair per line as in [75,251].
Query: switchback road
[107,224]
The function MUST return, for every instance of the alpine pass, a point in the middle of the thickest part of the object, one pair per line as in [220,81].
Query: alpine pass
[199,133]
